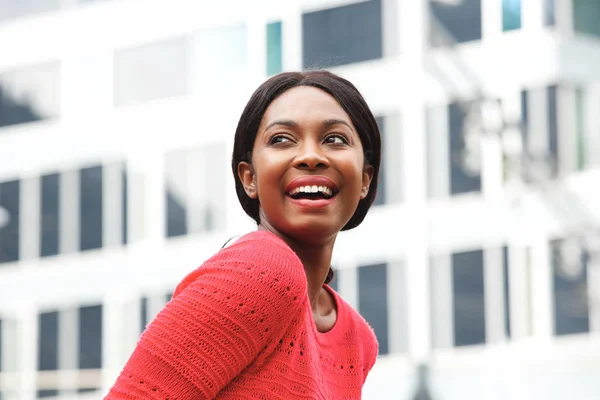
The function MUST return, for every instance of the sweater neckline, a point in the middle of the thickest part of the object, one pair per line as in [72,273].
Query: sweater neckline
[339,318]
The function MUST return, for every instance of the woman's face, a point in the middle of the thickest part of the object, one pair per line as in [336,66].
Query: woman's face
[307,168]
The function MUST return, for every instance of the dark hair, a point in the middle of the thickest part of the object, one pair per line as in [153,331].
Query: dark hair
[349,98]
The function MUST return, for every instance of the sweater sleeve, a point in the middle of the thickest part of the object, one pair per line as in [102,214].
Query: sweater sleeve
[220,318]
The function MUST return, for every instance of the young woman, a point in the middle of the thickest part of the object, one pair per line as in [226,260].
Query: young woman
[258,320]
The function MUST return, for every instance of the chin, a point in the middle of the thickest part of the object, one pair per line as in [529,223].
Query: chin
[313,229]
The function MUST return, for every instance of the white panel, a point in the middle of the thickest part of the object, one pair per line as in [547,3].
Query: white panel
[442,317]
[27,346]
[491,19]
[592,125]
[112,208]
[532,15]
[494,295]
[348,284]
[392,158]
[391,28]
[69,211]
[542,289]
[538,121]
[397,307]
[519,292]
[68,347]
[438,162]
[291,37]
[30,218]
[567,132]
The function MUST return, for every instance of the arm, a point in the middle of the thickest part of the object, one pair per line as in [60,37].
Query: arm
[219,320]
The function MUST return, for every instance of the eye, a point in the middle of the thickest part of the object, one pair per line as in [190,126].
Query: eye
[336,139]
[279,139]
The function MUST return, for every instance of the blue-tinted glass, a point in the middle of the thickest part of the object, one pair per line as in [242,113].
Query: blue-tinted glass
[380,198]
[372,301]
[457,21]
[50,208]
[505,273]
[10,195]
[571,308]
[549,12]
[124,208]
[48,341]
[274,48]
[334,282]
[90,211]
[90,337]
[342,35]
[586,16]
[1,345]
[86,390]
[42,394]
[511,15]
[460,181]
[168,297]
[469,301]
[143,313]
[10,9]
[553,128]
[29,94]
[176,216]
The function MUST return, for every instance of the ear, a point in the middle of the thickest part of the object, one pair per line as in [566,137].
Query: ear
[246,175]
[366,181]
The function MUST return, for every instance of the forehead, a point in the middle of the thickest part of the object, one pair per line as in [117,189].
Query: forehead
[305,103]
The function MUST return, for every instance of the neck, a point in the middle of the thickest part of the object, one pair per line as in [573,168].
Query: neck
[316,259]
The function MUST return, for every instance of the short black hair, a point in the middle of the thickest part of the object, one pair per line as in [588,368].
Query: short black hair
[349,98]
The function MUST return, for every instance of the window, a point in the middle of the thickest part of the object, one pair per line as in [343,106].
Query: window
[90,337]
[342,35]
[29,94]
[48,341]
[10,9]
[549,12]
[381,189]
[586,14]
[455,21]
[143,313]
[506,290]
[9,233]
[195,190]
[511,15]
[274,48]
[469,301]
[50,206]
[372,301]
[571,307]
[151,72]
[553,128]
[461,181]
[580,130]
[90,211]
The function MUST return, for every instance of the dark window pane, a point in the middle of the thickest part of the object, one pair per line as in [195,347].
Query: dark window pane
[124,207]
[334,282]
[86,390]
[48,341]
[90,337]
[571,308]
[29,94]
[50,206]
[1,345]
[586,16]
[460,181]
[274,48]
[42,394]
[380,198]
[469,302]
[372,301]
[90,233]
[580,121]
[505,272]
[10,195]
[553,128]
[511,15]
[143,313]
[151,72]
[168,297]
[456,21]
[10,9]
[342,35]
[176,193]
[549,12]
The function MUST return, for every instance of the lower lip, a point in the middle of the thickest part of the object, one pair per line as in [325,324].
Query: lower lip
[305,203]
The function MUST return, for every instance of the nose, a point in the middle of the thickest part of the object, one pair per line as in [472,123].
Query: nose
[311,156]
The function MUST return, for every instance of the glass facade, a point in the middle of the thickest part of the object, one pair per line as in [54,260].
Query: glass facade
[90,208]
[342,35]
[586,14]
[549,12]
[456,21]
[511,15]
[469,298]
[461,181]
[10,198]
[381,188]
[49,214]
[90,337]
[151,72]
[580,129]
[373,301]
[274,48]
[29,94]
[48,341]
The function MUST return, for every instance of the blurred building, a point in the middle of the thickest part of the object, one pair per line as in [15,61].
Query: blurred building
[116,125]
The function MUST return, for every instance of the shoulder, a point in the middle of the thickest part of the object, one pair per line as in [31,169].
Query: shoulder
[256,261]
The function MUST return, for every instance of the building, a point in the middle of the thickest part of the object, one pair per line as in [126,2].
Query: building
[116,124]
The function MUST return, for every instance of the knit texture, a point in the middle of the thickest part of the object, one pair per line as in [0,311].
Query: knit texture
[241,327]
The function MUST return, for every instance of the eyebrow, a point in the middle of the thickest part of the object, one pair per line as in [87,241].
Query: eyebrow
[293,124]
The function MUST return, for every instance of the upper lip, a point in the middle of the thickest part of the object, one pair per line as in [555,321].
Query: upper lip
[311,180]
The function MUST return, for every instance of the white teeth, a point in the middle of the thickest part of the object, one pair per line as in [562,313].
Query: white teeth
[312,189]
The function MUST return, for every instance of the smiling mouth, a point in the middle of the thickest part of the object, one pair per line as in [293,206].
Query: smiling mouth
[312,193]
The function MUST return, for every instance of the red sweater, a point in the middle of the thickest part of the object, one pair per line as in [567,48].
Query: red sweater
[241,327]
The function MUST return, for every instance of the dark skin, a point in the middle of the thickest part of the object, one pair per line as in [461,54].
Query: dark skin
[305,132]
